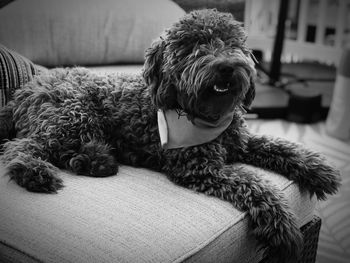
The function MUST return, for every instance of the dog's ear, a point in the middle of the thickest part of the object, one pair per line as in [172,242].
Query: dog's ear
[162,91]
[153,63]
[250,95]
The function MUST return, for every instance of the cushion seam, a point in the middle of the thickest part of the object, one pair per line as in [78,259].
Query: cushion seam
[210,240]
[4,243]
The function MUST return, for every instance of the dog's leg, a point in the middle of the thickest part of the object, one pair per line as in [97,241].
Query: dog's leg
[24,161]
[92,159]
[308,169]
[271,221]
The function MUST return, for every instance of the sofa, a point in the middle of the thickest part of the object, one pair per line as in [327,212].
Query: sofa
[137,215]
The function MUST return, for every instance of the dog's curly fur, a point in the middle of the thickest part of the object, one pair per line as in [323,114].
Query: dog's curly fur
[76,120]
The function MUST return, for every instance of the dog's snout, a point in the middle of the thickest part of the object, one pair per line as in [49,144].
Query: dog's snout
[225,70]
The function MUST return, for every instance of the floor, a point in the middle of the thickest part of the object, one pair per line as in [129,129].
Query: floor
[334,240]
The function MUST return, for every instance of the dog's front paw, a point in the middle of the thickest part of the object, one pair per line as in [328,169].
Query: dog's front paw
[286,252]
[44,182]
[80,164]
[101,166]
[39,177]
[321,178]
[279,234]
[104,165]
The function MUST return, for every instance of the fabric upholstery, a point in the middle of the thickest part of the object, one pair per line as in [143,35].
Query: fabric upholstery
[85,32]
[136,216]
[15,71]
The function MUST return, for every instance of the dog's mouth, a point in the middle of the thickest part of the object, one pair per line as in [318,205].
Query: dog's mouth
[221,88]
[216,99]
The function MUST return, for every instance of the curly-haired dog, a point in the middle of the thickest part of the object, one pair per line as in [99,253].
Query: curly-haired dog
[198,75]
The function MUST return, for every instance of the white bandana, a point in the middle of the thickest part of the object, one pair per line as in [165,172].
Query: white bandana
[177,131]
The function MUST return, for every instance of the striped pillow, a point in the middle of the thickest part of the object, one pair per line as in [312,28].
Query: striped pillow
[15,71]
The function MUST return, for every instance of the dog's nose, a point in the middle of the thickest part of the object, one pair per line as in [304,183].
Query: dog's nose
[225,70]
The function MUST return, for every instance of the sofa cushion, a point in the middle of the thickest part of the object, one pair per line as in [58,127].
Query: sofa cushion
[136,216]
[15,71]
[85,32]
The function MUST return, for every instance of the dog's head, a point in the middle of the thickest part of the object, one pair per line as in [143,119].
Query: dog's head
[201,65]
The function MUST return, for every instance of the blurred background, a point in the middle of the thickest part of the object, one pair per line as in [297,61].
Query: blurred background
[303,82]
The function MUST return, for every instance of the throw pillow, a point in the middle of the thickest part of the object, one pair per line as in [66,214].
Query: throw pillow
[15,71]
[85,32]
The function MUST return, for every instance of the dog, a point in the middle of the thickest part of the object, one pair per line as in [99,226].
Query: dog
[183,116]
